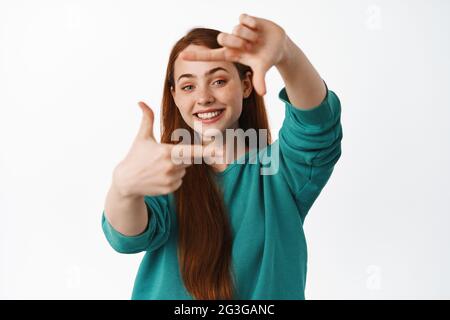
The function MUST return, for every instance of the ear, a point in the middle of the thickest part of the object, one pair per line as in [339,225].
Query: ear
[247,84]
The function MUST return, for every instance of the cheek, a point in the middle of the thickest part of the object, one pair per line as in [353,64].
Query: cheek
[232,99]
[184,114]
[237,106]
[184,107]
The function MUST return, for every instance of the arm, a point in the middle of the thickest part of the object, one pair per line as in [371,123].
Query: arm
[137,235]
[126,214]
[304,86]
[136,215]
[310,139]
[310,146]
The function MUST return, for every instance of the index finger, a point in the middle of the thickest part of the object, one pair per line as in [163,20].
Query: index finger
[184,154]
[220,54]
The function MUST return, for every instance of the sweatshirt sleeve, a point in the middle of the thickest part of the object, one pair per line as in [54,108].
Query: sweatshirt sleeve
[153,237]
[310,146]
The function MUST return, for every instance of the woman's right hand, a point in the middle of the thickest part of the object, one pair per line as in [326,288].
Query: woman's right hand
[148,168]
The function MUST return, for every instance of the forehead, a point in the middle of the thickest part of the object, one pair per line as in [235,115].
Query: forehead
[198,68]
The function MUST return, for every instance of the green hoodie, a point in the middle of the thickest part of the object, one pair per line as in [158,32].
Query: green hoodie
[267,202]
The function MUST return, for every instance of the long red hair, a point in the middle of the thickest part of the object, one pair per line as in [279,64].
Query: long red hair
[204,232]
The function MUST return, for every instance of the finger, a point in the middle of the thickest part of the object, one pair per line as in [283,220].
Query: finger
[184,154]
[179,174]
[232,41]
[221,54]
[249,21]
[148,118]
[213,149]
[178,184]
[183,165]
[246,33]
[259,81]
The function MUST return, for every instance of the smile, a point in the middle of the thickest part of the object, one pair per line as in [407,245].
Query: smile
[209,117]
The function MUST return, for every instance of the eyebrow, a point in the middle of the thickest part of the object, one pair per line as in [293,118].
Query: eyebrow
[189,75]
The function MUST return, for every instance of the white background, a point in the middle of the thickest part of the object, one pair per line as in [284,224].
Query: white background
[71,73]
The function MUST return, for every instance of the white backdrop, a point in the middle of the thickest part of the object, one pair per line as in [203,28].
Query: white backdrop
[71,73]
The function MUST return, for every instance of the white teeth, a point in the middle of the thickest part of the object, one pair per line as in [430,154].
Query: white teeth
[208,115]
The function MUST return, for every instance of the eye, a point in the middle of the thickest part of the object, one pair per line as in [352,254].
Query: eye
[224,81]
[185,87]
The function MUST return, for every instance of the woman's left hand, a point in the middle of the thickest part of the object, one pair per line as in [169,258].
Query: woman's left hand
[255,42]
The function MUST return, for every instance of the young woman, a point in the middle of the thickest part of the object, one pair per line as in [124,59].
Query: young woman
[225,230]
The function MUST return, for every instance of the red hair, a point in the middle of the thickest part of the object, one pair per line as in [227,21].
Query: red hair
[204,232]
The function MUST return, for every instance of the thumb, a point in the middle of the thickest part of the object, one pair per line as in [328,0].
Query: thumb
[259,81]
[148,118]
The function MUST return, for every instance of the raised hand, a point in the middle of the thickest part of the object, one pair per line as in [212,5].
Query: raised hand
[152,168]
[255,42]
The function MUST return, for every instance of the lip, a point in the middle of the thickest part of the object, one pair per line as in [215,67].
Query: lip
[209,110]
[207,121]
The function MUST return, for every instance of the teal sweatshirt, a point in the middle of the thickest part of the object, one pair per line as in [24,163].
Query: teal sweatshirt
[266,210]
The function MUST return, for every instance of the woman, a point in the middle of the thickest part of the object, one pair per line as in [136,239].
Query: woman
[225,230]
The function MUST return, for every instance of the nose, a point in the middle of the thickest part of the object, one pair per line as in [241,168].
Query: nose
[205,98]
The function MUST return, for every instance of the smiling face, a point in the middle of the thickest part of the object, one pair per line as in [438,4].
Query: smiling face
[209,94]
